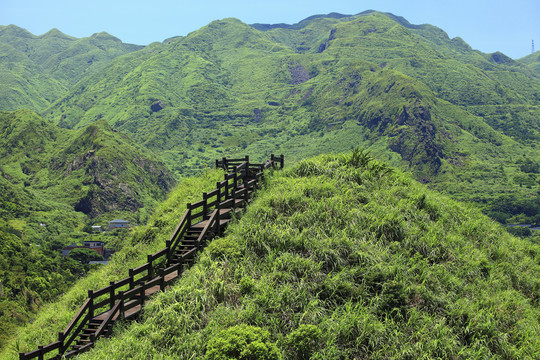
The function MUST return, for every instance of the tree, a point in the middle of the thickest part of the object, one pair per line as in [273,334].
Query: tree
[85,255]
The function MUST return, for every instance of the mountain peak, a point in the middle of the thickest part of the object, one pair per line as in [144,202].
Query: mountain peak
[105,36]
[301,24]
[337,16]
[14,30]
[55,33]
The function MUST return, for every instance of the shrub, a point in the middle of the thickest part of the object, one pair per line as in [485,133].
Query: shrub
[242,342]
[303,341]
[85,255]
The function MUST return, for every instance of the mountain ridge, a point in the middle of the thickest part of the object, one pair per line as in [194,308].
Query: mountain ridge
[309,87]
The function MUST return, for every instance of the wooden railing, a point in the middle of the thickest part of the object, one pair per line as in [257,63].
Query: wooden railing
[120,299]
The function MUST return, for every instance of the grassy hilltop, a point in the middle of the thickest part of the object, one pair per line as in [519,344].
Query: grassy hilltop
[338,257]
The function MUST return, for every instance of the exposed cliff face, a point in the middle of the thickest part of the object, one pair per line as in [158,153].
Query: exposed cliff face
[115,175]
[417,140]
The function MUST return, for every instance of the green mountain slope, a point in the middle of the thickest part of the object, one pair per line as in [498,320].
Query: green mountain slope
[132,252]
[459,119]
[338,257]
[533,61]
[37,70]
[95,170]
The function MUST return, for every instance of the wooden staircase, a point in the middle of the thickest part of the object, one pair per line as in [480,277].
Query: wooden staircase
[125,298]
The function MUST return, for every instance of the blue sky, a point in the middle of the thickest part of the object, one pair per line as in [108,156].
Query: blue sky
[494,25]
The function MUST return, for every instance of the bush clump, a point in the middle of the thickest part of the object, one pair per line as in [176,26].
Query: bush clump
[303,341]
[242,342]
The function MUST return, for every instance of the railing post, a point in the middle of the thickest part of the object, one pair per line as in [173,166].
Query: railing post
[282,161]
[189,215]
[205,206]
[218,197]
[61,338]
[149,260]
[162,280]
[180,267]
[218,217]
[225,165]
[111,293]
[91,304]
[131,279]
[40,355]
[168,247]
[121,297]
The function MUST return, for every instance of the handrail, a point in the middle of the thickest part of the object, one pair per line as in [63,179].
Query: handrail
[228,194]
[118,307]
[76,317]
[205,229]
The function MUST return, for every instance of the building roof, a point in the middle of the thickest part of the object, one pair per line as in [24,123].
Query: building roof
[118,221]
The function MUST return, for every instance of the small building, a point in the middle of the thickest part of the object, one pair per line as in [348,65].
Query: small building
[96,229]
[103,262]
[117,224]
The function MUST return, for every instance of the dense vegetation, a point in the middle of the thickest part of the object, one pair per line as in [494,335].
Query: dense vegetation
[66,179]
[533,60]
[55,183]
[112,126]
[459,119]
[36,70]
[338,257]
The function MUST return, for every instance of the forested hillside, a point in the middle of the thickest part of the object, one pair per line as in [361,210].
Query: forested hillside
[533,61]
[54,184]
[36,70]
[459,119]
[340,256]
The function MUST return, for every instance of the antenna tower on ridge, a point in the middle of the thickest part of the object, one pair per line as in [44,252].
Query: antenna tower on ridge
[532,49]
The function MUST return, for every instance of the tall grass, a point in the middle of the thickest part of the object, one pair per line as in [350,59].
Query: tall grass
[383,267]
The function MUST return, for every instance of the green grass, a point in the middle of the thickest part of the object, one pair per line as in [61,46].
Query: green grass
[353,254]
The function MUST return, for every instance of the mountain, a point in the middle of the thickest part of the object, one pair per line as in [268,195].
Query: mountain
[462,120]
[36,70]
[338,257]
[95,170]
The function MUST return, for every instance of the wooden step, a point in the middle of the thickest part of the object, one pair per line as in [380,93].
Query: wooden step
[202,224]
